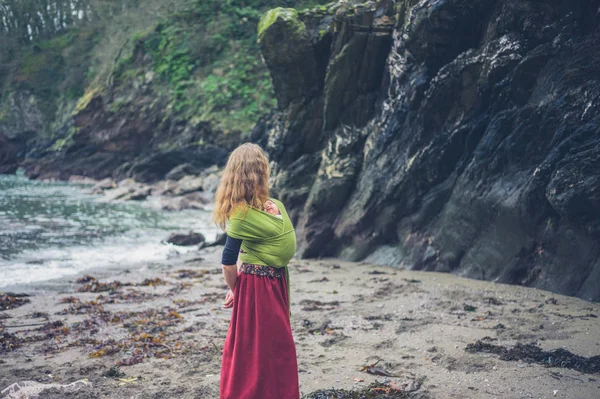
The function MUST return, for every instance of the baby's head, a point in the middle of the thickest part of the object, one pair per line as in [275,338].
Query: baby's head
[271,208]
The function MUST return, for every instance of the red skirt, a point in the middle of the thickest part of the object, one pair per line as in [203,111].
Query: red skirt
[259,357]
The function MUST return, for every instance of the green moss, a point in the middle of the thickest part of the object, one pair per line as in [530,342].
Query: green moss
[289,15]
[116,106]
[323,32]
[171,55]
[65,142]
[236,95]
[84,100]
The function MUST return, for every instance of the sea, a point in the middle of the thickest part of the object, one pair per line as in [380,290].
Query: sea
[52,230]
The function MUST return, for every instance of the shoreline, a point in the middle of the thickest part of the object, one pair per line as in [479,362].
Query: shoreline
[64,229]
[66,282]
[414,327]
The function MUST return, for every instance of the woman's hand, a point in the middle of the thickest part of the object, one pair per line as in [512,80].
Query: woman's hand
[228,300]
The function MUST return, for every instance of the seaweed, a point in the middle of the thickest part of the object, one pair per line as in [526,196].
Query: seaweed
[148,333]
[113,372]
[85,279]
[178,288]
[373,391]
[9,300]
[312,305]
[531,353]
[377,370]
[38,315]
[189,273]
[469,308]
[153,282]
[93,285]
[8,342]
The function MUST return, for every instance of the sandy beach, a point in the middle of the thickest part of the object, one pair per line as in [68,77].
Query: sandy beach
[157,332]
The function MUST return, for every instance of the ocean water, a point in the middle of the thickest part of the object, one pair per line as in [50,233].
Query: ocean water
[58,229]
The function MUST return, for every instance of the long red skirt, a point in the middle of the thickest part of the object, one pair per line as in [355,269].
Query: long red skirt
[259,357]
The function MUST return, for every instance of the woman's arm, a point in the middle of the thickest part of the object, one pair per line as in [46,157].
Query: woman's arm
[229,261]
[230,275]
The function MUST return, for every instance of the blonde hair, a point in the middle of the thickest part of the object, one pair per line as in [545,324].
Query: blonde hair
[245,182]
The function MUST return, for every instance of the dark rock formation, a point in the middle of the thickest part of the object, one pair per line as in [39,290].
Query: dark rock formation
[127,128]
[135,144]
[220,240]
[16,130]
[448,135]
[140,194]
[11,154]
[186,239]
[181,171]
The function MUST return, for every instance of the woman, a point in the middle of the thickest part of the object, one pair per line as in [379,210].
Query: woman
[259,357]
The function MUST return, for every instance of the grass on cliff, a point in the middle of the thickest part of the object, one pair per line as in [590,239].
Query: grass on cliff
[208,55]
[203,54]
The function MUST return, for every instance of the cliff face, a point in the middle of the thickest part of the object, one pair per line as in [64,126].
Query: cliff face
[139,140]
[64,113]
[447,135]
[117,90]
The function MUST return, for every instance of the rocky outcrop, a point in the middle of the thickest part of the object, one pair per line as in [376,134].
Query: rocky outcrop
[447,135]
[10,150]
[189,192]
[130,143]
[16,129]
[188,239]
[127,127]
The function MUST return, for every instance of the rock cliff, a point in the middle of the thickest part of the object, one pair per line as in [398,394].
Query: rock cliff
[448,135]
[117,90]
[139,141]
[127,130]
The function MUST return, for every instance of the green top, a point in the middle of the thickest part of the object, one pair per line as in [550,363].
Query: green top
[267,240]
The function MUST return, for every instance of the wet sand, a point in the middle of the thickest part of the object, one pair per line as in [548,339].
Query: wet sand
[165,326]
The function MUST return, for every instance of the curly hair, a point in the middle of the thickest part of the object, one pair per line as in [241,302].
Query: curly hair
[245,182]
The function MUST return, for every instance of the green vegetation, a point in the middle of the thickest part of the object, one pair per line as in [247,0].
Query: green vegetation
[64,142]
[208,55]
[203,58]
[54,69]
[290,15]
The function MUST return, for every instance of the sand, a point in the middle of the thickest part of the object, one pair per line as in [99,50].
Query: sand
[412,326]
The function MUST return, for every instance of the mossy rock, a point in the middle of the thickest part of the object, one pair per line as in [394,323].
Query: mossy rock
[287,15]
[86,99]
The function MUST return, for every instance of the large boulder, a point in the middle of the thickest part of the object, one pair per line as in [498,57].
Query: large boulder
[195,200]
[188,239]
[103,185]
[189,184]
